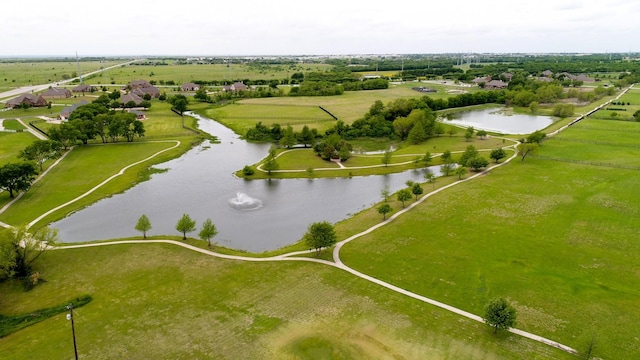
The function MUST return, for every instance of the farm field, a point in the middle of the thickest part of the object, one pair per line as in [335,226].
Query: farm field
[16,74]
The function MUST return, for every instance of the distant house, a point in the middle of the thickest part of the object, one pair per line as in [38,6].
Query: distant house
[235,87]
[139,114]
[151,90]
[585,79]
[190,87]
[138,84]
[547,73]
[83,88]
[66,112]
[126,98]
[28,99]
[56,93]
[495,84]
[480,80]
[507,76]
[370,76]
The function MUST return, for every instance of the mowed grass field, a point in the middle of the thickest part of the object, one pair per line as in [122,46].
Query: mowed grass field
[557,239]
[165,302]
[207,72]
[16,74]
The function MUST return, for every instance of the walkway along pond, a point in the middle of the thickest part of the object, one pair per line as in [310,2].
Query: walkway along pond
[201,183]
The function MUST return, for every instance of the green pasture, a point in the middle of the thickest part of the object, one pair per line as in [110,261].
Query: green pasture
[12,143]
[556,239]
[242,117]
[207,72]
[11,124]
[161,301]
[16,74]
[82,169]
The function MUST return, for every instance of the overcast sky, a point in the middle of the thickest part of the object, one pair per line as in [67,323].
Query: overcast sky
[260,27]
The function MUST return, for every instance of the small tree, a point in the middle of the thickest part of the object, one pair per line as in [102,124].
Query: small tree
[404,195]
[41,150]
[416,190]
[452,131]
[431,178]
[482,134]
[384,209]
[478,163]
[185,225]
[427,159]
[497,154]
[525,149]
[385,193]
[386,157]
[208,231]
[447,168]
[143,225]
[468,134]
[499,314]
[270,164]
[461,171]
[320,235]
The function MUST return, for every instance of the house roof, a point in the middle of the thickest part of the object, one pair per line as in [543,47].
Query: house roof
[31,99]
[130,97]
[82,88]
[496,84]
[189,85]
[139,84]
[151,90]
[57,92]
[69,109]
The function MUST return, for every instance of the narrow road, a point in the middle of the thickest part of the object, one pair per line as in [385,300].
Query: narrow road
[33,131]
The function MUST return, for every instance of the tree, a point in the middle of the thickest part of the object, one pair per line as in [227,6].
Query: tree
[17,177]
[468,134]
[446,156]
[19,250]
[470,153]
[66,134]
[289,138]
[143,225]
[385,193]
[525,149]
[41,150]
[320,235]
[439,129]
[384,209]
[447,168]
[114,95]
[180,105]
[536,137]
[482,134]
[185,225]
[431,178]
[270,164]
[416,189]
[534,106]
[417,134]
[499,314]
[460,171]
[478,163]
[386,157]
[427,158]
[452,131]
[306,136]
[201,94]
[404,195]
[497,154]
[208,231]
[563,110]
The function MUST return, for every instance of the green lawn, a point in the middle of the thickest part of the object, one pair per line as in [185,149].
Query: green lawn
[557,239]
[161,301]
[82,169]
[12,143]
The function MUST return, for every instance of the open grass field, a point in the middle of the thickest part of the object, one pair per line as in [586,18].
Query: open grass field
[82,169]
[207,72]
[555,238]
[16,74]
[160,301]
[11,144]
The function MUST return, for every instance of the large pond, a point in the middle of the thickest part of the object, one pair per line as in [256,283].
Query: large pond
[500,120]
[253,215]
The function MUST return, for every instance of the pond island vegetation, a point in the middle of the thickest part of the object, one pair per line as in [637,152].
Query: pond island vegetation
[529,231]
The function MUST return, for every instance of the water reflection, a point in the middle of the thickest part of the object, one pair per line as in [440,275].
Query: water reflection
[500,120]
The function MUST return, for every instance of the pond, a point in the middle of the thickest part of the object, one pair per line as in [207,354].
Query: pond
[252,215]
[500,120]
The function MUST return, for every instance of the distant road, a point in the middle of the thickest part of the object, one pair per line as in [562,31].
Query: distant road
[34,88]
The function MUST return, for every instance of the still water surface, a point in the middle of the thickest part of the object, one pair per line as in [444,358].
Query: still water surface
[201,183]
[496,120]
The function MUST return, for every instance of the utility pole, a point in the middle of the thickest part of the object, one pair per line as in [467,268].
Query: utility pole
[73,329]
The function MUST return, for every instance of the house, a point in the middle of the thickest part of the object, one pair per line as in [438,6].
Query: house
[547,73]
[584,78]
[83,88]
[151,90]
[26,99]
[56,93]
[66,112]
[190,87]
[495,84]
[508,76]
[480,80]
[138,84]
[126,98]
[235,87]
[139,114]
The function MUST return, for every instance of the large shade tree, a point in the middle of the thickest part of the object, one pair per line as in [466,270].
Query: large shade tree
[16,177]
[320,235]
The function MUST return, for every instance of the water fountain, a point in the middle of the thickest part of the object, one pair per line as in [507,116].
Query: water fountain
[243,201]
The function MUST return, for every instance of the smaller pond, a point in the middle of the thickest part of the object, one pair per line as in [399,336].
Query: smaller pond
[500,120]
